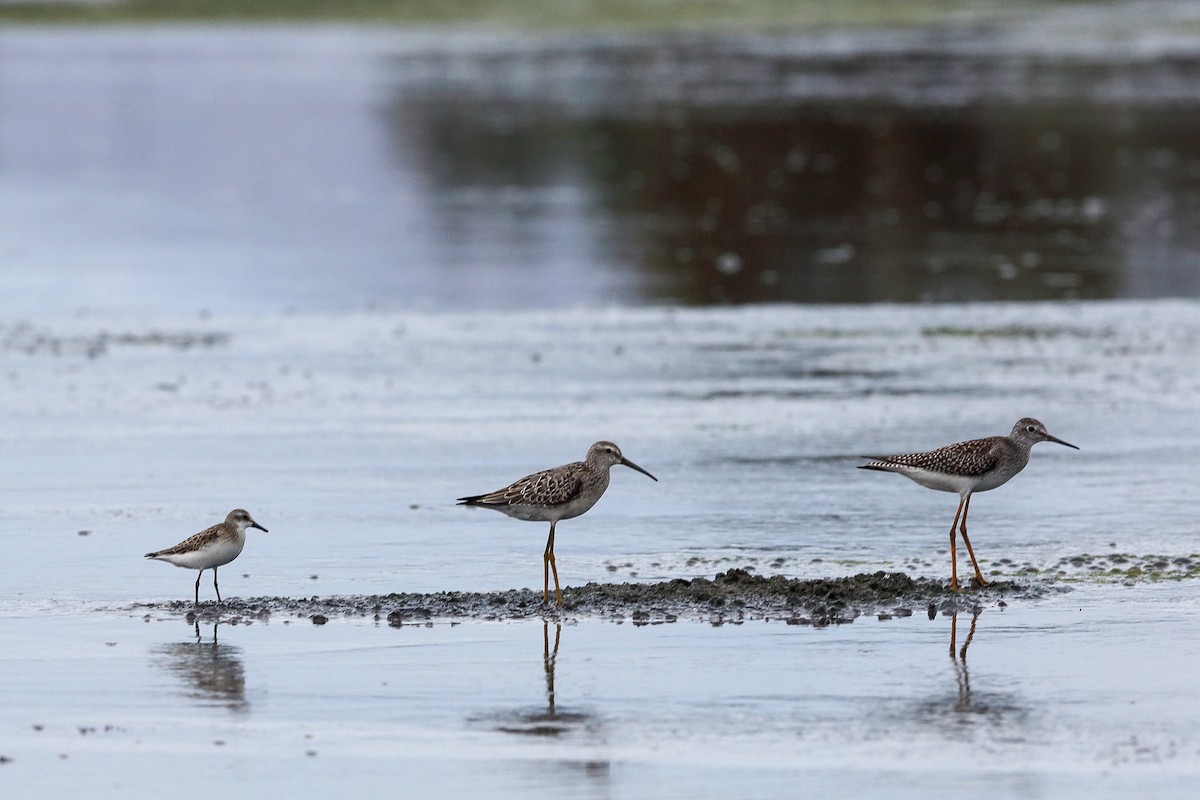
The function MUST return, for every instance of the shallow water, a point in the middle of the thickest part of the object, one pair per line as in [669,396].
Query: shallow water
[349,435]
[1050,699]
[361,429]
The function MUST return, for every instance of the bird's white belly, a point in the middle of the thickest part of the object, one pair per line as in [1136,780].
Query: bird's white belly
[942,481]
[217,554]
[550,513]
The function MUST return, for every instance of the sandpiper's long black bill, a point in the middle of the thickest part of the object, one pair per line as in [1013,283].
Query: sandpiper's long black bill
[1057,440]
[260,527]
[632,465]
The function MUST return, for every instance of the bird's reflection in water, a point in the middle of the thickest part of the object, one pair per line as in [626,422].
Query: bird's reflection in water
[552,721]
[1000,713]
[959,660]
[212,671]
[578,778]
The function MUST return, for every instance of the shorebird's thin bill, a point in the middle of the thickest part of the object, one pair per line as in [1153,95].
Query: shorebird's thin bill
[1057,440]
[632,465]
[254,524]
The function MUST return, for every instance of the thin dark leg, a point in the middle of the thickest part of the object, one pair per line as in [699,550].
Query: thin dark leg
[954,548]
[215,584]
[979,580]
[198,574]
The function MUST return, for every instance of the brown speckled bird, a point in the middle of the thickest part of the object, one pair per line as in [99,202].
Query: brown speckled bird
[974,466]
[211,548]
[554,494]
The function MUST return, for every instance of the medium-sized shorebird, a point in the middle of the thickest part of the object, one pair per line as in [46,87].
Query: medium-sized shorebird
[211,548]
[968,467]
[555,494]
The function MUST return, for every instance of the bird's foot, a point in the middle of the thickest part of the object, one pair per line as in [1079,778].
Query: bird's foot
[979,582]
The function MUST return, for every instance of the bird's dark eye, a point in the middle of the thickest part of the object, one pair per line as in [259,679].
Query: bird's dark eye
[1031,429]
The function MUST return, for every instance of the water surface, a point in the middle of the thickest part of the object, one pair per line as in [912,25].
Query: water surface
[331,167]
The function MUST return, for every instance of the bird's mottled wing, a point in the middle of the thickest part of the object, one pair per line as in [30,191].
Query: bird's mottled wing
[548,488]
[194,542]
[965,458]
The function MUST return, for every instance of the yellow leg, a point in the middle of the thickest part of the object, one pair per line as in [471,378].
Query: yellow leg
[557,588]
[954,549]
[549,566]
[979,580]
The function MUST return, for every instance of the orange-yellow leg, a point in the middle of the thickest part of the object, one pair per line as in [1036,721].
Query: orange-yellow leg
[979,579]
[549,566]
[954,548]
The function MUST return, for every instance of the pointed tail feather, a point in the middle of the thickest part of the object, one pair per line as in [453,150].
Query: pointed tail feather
[880,464]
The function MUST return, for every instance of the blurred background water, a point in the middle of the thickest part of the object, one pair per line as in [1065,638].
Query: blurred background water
[335,167]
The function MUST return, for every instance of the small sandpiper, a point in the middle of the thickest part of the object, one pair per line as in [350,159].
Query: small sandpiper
[554,494]
[211,548]
[967,467]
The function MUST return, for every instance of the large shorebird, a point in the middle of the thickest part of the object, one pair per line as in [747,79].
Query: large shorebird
[968,467]
[211,548]
[555,494]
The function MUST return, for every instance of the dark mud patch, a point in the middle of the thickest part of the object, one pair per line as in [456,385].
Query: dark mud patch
[733,596]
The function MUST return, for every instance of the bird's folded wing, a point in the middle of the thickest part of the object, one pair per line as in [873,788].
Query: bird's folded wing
[193,542]
[965,458]
[549,488]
